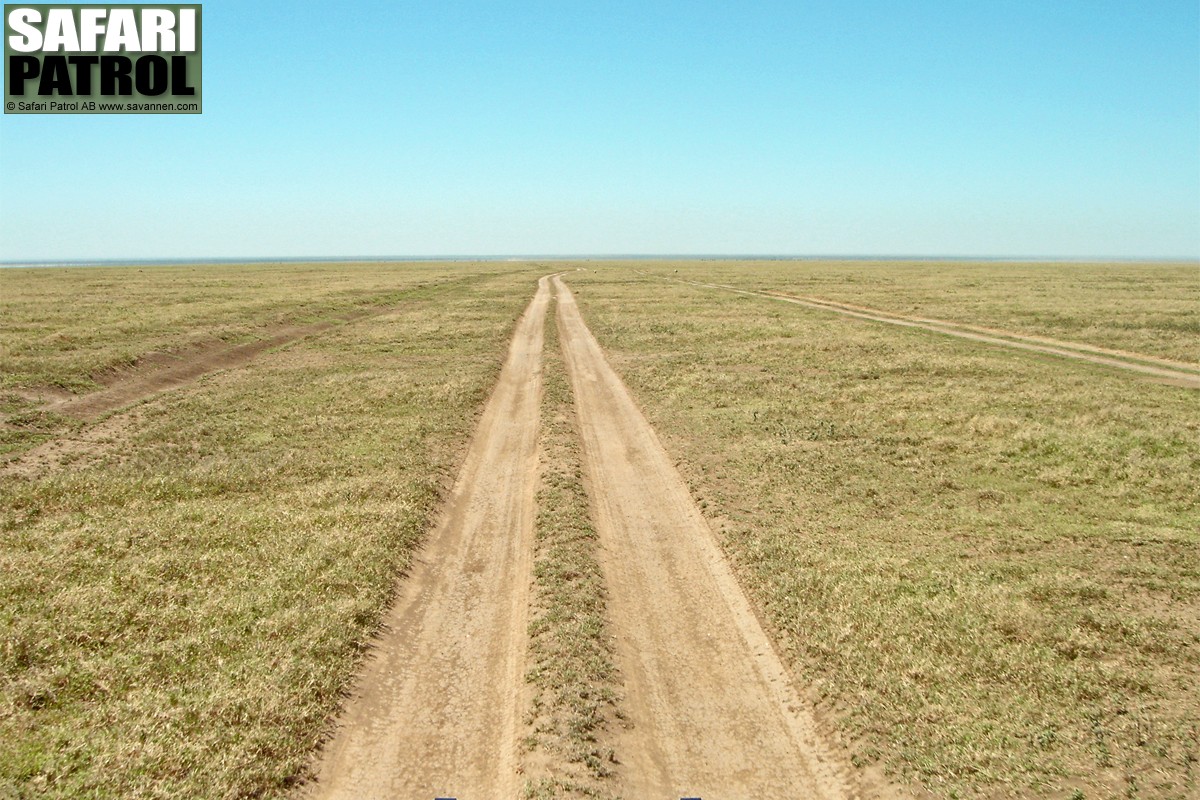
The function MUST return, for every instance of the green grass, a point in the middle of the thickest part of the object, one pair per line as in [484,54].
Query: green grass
[985,564]
[71,330]
[68,327]
[570,655]
[1148,308]
[181,610]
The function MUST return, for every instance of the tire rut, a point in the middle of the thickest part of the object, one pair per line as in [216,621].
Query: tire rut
[712,709]
[1161,370]
[160,372]
[706,708]
[435,713]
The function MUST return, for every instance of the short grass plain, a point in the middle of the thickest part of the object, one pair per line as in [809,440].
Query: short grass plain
[73,330]
[986,563]
[983,562]
[1147,308]
[181,608]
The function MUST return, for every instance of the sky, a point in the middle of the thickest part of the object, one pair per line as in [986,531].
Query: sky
[1004,129]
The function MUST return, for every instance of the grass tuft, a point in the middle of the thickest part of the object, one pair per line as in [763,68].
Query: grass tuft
[570,657]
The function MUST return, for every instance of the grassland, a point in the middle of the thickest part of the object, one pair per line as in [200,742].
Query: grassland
[570,662]
[72,330]
[68,327]
[182,607]
[984,562]
[1148,308]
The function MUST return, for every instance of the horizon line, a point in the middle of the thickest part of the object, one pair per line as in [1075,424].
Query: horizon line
[377,259]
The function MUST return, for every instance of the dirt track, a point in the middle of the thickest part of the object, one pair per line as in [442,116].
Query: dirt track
[168,371]
[1164,370]
[154,373]
[708,708]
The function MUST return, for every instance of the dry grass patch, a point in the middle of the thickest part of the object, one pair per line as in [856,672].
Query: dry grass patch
[570,657]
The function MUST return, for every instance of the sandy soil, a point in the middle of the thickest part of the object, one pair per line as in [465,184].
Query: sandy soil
[711,708]
[436,710]
[91,442]
[1164,370]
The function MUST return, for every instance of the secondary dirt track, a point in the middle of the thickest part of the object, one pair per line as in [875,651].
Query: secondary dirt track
[153,373]
[1172,372]
[159,372]
[436,710]
[707,707]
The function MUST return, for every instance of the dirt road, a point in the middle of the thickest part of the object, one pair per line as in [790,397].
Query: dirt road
[713,713]
[707,708]
[436,709]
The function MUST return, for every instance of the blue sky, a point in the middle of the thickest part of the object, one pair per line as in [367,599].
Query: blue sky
[1067,129]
